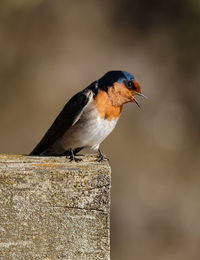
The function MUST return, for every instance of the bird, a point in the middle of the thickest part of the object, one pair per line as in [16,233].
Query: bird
[89,116]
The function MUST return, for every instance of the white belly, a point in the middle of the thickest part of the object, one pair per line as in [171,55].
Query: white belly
[89,131]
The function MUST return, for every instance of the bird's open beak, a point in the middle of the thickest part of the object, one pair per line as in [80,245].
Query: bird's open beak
[136,101]
[138,92]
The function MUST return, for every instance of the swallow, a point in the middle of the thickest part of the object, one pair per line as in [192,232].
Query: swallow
[89,116]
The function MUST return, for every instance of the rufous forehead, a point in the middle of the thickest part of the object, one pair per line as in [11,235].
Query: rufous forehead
[137,85]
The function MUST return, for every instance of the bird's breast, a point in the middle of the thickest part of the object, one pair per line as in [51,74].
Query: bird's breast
[90,130]
[98,125]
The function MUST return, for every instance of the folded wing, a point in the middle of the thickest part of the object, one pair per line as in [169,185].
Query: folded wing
[67,117]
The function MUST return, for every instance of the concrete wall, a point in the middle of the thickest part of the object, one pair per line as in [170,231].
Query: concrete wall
[51,208]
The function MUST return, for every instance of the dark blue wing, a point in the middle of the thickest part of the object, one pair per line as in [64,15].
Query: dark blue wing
[70,114]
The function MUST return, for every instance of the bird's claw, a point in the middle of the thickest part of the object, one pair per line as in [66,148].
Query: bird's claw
[102,158]
[74,159]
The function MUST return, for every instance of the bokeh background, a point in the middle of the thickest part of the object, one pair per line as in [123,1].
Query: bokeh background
[49,50]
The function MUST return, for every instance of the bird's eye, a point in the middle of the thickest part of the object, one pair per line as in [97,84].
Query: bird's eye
[130,85]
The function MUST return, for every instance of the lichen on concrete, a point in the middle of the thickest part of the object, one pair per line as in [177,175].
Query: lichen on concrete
[54,209]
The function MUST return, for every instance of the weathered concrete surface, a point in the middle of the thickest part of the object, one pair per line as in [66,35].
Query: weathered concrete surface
[51,208]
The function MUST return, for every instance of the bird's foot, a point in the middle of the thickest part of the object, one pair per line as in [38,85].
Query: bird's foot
[101,157]
[72,158]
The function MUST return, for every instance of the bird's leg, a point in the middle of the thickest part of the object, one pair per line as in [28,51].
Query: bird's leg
[72,157]
[101,157]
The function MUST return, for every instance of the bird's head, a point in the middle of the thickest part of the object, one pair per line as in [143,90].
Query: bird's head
[121,86]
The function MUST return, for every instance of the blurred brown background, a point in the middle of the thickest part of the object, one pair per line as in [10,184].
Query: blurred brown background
[51,49]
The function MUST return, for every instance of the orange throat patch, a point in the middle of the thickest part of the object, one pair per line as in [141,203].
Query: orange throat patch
[109,104]
[105,106]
